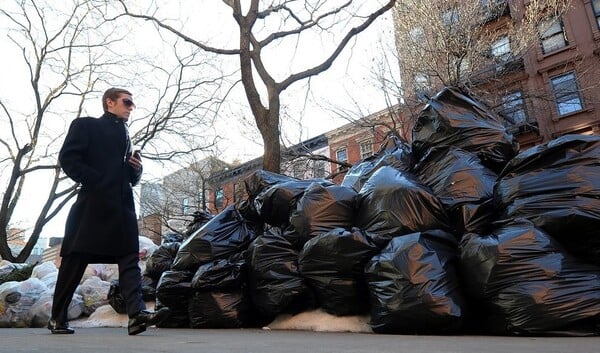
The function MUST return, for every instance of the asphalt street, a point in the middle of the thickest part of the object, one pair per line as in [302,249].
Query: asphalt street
[108,340]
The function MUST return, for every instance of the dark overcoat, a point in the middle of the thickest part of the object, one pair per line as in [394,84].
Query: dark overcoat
[102,222]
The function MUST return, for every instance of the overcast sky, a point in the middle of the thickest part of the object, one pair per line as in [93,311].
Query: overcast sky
[344,85]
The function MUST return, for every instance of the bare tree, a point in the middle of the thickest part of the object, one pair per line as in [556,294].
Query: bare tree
[180,194]
[70,55]
[290,20]
[475,45]
[57,58]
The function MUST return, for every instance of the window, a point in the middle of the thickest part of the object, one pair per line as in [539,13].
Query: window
[501,48]
[596,8]
[493,6]
[421,85]
[366,149]
[566,93]
[450,17]
[319,169]
[461,67]
[552,34]
[219,198]
[298,169]
[342,156]
[417,35]
[421,81]
[488,3]
[513,108]
[185,205]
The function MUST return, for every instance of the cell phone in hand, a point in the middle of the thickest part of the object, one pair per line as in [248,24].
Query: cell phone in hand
[137,152]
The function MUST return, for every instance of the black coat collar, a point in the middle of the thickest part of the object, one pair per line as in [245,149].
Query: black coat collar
[112,117]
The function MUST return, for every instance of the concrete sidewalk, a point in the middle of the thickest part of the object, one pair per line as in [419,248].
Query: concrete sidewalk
[108,340]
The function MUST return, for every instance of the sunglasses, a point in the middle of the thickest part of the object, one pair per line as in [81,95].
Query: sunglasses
[128,102]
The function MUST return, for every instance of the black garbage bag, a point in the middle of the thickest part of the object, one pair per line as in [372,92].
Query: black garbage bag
[275,204]
[149,288]
[333,264]
[414,286]
[171,238]
[275,283]
[174,291]
[528,283]
[161,259]
[219,309]
[321,209]
[256,183]
[221,300]
[115,298]
[261,180]
[225,234]
[200,218]
[464,186]
[557,186]
[393,203]
[394,152]
[230,273]
[452,118]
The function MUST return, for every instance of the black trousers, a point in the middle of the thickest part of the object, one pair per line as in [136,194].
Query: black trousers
[71,271]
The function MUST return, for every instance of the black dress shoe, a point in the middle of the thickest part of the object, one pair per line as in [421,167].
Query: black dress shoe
[59,329]
[145,318]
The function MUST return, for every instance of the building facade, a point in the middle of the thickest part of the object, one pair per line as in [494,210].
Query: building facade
[305,160]
[167,206]
[360,139]
[542,90]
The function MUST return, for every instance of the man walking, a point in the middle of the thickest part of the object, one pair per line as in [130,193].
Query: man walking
[101,226]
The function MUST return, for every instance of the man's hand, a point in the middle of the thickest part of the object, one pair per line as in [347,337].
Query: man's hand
[136,160]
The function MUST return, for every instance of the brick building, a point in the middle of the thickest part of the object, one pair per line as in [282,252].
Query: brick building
[547,89]
[227,186]
[167,205]
[360,139]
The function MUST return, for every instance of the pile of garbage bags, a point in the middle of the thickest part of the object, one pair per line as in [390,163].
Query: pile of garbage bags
[456,232]
[28,302]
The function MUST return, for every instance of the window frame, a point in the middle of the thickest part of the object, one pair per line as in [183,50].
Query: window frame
[450,17]
[572,93]
[365,153]
[547,39]
[512,104]
[337,157]
[185,205]
[337,154]
[299,169]
[421,85]
[319,169]
[499,51]
[417,35]
[219,197]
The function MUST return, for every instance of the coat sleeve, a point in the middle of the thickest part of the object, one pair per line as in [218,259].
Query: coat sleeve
[136,175]
[72,156]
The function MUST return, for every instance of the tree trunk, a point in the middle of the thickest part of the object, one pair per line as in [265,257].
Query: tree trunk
[272,147]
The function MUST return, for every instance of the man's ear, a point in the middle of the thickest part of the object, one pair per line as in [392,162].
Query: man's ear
[109,102]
